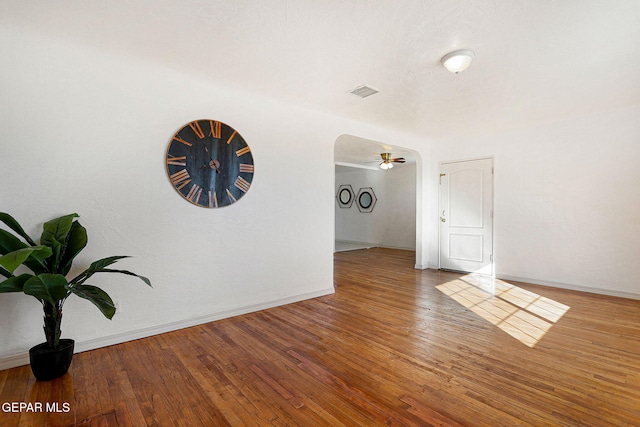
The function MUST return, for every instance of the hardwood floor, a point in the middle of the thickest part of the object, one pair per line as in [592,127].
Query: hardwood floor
[392,346]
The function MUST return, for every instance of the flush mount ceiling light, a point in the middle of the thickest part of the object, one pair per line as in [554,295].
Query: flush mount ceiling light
[458,60]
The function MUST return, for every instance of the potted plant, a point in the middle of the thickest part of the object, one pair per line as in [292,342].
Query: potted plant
[50,262]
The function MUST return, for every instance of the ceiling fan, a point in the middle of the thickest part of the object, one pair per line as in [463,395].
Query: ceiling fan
[387,161]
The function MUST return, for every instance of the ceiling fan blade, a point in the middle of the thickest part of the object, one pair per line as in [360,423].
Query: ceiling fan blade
[399,160]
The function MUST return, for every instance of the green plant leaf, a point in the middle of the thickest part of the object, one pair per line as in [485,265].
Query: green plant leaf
[76,242]
[54,235]
[13,224]
[54,260]
[57,229]
[128,273]
[14,284]
[10,243]
[98,297]
[14,259]
[105,262]
[5,273]
[95,267]
[47,287]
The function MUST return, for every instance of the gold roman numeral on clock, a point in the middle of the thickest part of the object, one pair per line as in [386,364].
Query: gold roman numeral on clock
[216,128]
[180,178]
[194,194]
[242,151]
[195,126]
[231,137]
[187,143]
[246,168]
[177,161]
[242,184]
[213,200]
[230,196]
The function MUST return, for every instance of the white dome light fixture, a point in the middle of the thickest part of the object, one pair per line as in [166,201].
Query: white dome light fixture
[386,165]
[458,60]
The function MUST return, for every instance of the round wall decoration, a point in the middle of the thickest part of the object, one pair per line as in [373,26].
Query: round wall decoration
[209,163]
[366,199]
[345,196]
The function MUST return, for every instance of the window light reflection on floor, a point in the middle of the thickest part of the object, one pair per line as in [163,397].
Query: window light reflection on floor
[522,314]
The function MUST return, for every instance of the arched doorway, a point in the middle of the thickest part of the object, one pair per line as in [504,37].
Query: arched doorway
[394,217]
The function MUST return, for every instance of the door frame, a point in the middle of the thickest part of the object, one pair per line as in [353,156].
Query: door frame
[492,216]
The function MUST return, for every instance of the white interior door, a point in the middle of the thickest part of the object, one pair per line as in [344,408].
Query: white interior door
[466,216]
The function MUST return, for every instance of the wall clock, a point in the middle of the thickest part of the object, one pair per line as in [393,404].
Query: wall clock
[209,164]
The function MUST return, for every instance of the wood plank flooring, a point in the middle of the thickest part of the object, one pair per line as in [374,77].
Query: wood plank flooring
[393,346]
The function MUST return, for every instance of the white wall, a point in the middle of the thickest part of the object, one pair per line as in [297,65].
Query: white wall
[399,207]
[567,201]
[84,130]
[351,224]
[392,223]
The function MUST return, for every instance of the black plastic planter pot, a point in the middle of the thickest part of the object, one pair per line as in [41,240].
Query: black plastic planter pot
[47,364]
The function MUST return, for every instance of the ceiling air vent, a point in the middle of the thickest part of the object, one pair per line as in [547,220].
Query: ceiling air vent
[364,91]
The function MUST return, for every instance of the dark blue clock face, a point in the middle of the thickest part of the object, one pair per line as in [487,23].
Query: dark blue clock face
[209,164]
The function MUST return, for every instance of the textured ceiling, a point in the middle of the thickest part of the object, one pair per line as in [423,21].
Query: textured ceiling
[536,60]
[352,151]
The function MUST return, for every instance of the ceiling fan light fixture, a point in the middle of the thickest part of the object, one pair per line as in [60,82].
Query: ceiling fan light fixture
[386,165]
[458,60]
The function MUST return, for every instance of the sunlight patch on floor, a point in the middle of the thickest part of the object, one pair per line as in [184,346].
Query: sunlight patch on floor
[522,314]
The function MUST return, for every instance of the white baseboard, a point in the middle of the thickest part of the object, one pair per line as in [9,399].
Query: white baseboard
[369,245]
[552,284]
[352,245]
[20,359]
[9,362]
[355,242]
[426,266]
[569,286]
[400,248]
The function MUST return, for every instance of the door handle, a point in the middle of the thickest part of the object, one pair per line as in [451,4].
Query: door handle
[443,219]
